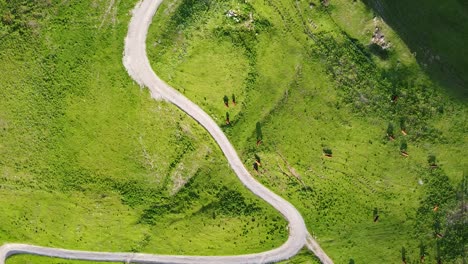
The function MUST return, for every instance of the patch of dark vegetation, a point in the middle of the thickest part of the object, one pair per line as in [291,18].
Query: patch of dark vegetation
[173,205]
[328,152]
[396,93]
[435,34]
[223,201]
[280,105]
[21,16]
[133,192]
[187,11]
[349,68]
[140,245]
[178,203]
[186,144]
[232,203]
[240,37]
[367,51]
[442,216]
[242,31]
[379,51]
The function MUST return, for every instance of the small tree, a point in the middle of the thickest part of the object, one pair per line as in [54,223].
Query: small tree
[437,226]
[376,214]
[394,96]
[390,132]
[257,160]
[403,254]
[438,253]
[422,251]
[431,159]
[227,119]
[328,152]
[258,129]
[226,100]
[404,148]
[234,99]
[403,126]
[255,166]
[351,261]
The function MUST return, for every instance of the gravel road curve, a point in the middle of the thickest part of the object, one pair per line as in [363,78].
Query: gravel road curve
[139,68]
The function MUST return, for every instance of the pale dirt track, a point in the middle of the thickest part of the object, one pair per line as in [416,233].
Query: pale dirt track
[138,66]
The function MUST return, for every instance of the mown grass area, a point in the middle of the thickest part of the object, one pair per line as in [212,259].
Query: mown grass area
[315,85]
[89,161]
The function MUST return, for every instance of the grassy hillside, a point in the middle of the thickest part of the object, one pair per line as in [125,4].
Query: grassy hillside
[307,83]
[436,32]
[89,161]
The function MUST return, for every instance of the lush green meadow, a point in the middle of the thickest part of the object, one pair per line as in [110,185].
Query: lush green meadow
[308,74]
[89,161]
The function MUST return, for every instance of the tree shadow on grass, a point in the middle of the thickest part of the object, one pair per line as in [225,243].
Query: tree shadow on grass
[378,51]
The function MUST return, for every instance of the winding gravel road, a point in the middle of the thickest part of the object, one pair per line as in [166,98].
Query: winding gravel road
[138,66]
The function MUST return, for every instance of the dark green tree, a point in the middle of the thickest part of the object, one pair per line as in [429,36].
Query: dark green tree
[438,253]
[390,131]
[257,159]
[403,254]
[404,147]
[437,225]
[394,96]
[431,159]
[226,100]
[453,244]
[228,121]
[422,251]
[376,214]
[403,124]
[258,129]
[234,99]
[328,152]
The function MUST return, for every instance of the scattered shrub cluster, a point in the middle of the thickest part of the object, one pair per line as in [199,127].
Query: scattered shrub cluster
[21,16]
[441,217]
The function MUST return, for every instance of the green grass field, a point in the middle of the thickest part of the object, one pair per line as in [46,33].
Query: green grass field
[312,81]
[89,161]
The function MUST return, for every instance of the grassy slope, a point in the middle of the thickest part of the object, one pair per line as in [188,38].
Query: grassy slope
[437,35]
[89,161]
[309,94]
